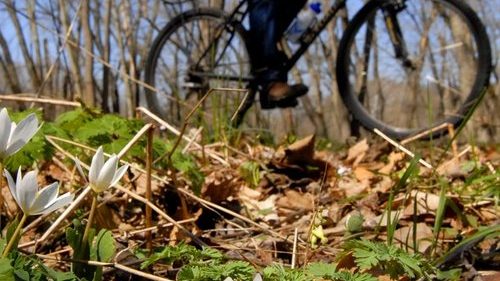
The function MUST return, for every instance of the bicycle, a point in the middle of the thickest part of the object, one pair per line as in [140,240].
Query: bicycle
[403,66]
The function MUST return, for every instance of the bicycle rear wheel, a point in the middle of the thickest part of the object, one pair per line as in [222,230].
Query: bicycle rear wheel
[198,54]
[446,71]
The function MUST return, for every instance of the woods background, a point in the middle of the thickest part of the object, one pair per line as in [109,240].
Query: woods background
[96,50]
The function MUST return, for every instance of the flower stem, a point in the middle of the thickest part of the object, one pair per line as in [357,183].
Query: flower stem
[1,178]
[14,236]
[90,220]
[1,194]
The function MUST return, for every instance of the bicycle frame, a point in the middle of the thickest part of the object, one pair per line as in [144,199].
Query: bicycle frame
[240,12]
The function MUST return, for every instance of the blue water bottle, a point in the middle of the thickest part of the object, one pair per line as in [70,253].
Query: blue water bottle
[304,20]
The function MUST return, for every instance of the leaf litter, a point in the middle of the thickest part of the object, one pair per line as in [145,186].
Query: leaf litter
[282,190]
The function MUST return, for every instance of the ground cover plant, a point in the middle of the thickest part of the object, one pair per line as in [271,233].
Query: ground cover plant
[93,196]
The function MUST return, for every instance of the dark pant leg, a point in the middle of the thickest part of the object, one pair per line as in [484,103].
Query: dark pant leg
[268,21]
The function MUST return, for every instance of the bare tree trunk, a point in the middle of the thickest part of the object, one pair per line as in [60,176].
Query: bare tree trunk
[8,66]
[88,82]
[34,36]
[34,76]
[106,74]
[72,52]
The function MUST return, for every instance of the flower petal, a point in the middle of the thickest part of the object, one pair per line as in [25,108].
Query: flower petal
[61,201]
[12,185]
[96,165]
[23,132]
[119,174]
[80,170]
[27,190]
[4,131]
[44,198]
[107,172]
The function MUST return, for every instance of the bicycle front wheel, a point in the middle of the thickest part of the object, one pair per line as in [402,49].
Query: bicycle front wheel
[409,66]
[198,56]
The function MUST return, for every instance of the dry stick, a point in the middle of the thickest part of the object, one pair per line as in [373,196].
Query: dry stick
[195,135]
[425,133]
[177,133]
[40,100]
[109,264]
[161,213]
[149,160]
[452,160]
[86,190]
[294,253]
[227,211]
[184,127]
[153,228]
[243,101]
[451,133]
[2,201]
[189,115]
[402,148]
[136,138]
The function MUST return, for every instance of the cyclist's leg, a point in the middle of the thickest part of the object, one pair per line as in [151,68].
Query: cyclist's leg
[268,20]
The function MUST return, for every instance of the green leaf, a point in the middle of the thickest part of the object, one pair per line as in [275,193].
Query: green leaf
[105,244]
[11,228]
[449,275]
[250,172]
[21,274]
[74,236]
[466,244]
[394,261]
[323,270]
[181,253]
[6,270]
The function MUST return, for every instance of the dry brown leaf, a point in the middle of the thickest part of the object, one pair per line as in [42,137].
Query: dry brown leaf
[264,209]
[489,275]
[362,174]
[249,193]
[300,152]
[357,152]
[346,262]
[427,203]
[394,158]
[296,200]
[9,200]
[383,185]
[220,185]
[489,214]
[380,220]
[352,187]
[107,217]
[452,169]
[141,183]
[424,235]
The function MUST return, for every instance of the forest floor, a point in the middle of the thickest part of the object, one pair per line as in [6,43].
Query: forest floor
[288,211]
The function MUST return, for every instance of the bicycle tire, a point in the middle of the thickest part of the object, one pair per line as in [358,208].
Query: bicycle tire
[459,94]
[197,26]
